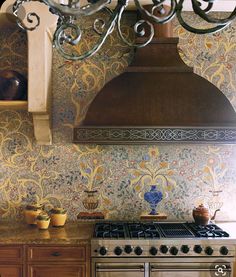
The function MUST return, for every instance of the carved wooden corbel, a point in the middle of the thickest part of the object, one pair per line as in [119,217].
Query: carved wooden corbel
[39,67]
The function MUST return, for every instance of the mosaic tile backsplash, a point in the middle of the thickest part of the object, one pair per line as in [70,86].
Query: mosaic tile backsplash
[58,175]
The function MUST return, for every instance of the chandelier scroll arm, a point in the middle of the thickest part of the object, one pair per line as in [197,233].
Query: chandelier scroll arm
[31,18]
[69,33]
[210,5]
[185,25]
[60,32]
[204,14]
[77,12]
[136,27]
[153,18]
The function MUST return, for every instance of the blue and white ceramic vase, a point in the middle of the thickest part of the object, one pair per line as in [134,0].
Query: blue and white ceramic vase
[153,197]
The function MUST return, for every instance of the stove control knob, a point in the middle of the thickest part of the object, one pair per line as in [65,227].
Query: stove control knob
[174,250]
[224,250]
[197,249]
[164,249]
[103,251]
[118,251]
[128,249]
[185,249]
[153,251]
[138,250]
[209,251]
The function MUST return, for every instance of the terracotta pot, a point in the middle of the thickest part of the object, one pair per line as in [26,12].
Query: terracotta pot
[31,212]
[43,224]
[58,217]
[43,221]
[13,85]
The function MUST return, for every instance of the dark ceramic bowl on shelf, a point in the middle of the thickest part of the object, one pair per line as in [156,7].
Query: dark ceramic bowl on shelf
[13,85]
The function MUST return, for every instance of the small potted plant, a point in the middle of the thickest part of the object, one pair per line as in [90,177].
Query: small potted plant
[43,221]
[58,217]
[31,212]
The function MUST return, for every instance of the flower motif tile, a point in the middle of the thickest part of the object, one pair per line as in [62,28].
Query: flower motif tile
[57,175]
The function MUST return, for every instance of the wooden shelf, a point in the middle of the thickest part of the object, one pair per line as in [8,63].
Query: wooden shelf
[14,105]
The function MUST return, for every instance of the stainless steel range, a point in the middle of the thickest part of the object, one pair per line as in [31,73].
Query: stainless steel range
[161,250]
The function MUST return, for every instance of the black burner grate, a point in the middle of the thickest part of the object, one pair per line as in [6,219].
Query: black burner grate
[143,230]
[139,230]
[109,230]
[208,231]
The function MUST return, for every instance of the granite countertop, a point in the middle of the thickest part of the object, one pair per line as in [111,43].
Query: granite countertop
[20,233]
[73,233]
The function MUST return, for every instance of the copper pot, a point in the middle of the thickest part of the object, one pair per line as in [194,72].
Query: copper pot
[202,216]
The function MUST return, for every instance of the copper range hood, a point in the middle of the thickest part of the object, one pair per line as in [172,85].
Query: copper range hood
[158,99]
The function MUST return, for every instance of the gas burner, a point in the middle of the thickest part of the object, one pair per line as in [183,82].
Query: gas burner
[143,230]
[208,231]
[109,230]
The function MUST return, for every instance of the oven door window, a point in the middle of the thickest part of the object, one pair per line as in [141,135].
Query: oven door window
[190,270]
[120,270]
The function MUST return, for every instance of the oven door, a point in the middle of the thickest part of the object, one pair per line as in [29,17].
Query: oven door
[119,270]
[190,270]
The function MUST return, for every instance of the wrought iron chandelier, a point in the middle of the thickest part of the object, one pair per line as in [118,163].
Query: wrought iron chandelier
[69,33]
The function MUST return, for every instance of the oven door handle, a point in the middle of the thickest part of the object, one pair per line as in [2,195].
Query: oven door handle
[124,268]
[185,269]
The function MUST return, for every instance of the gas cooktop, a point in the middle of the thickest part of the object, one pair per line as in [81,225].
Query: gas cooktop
[155,230]
[159,239]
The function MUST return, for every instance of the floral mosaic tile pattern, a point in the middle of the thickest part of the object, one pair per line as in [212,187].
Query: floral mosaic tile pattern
[13,49]
[212,56]
[58,175]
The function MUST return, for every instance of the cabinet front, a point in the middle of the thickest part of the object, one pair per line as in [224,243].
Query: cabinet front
[119,270]
[190,270]
[11,254]
[59,253]
[56,271]
[10,271]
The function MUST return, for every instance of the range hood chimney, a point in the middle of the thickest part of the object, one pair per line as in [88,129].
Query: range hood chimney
[158,99]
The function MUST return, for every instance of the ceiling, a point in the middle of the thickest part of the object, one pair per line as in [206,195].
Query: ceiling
[220,5]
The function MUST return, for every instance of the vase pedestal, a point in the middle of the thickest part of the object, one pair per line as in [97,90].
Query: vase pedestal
[90,216]
[155,217]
